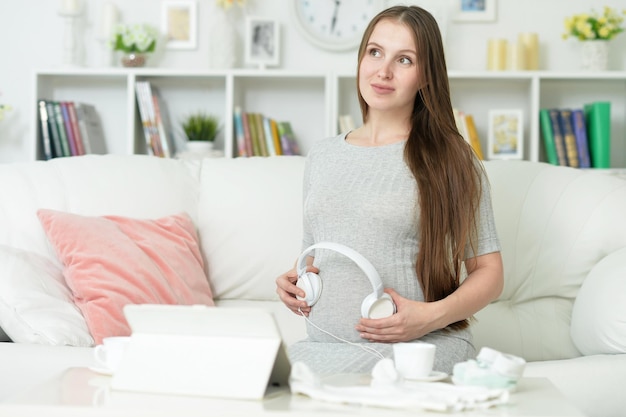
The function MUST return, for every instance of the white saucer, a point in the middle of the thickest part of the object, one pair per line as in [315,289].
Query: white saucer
[434,376]
[101,371]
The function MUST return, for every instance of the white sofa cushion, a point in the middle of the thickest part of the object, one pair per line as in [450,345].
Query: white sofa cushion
[93,185]
[36,305]
[599,316]
[555,225]
[250,223]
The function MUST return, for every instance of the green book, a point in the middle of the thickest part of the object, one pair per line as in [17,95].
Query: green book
[557,134]
[57,149]
[598,115]
[548,138]
[65,145]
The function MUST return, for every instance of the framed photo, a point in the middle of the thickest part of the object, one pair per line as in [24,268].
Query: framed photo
[262,43]
[179,23]
[475,11]
[506,134]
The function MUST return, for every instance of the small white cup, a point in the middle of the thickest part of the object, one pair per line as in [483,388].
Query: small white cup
[414,360]
[109,354]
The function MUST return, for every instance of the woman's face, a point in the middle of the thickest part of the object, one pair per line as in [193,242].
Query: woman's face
[389,78]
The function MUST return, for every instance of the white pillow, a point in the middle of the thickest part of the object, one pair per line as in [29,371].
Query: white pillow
[36,304]
[599,316]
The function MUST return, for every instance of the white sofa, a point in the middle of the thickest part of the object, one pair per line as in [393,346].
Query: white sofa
[563,235]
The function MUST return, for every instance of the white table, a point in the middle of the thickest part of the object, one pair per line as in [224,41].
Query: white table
[82,392]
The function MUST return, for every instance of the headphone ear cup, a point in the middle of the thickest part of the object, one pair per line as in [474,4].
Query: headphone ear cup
[311,283]
[377,308]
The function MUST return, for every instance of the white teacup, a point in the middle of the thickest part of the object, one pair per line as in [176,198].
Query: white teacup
[414,360]
[109,354]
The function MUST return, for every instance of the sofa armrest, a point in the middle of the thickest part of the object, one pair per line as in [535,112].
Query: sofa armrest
[598,315]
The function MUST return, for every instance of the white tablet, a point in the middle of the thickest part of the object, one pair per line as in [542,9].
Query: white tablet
[199,350]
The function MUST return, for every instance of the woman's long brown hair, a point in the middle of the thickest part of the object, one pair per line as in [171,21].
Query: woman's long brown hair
[442,162]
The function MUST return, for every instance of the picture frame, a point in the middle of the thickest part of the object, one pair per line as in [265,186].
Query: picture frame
[505,138]
[262,41]
[179,23]
[475,11]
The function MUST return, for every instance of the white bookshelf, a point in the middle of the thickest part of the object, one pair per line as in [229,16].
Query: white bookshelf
[312,101]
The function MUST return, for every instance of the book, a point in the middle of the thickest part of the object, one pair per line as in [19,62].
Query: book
[44,128]
[254,136]
[565,121]
[269,137]
[240,135]
[245,119]
[598,117]
[161,120]
[580,132]
[91,129]
[548,139]
[61,128]
[257,118]
[71,109]
[154,127]
[472,133]
[71,141]
[143,116]
[57,148]
[467,129]
[276,136]
[288,139]
[146,114]
[557,134]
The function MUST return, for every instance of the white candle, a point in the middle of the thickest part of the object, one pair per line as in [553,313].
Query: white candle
[531,49]
[516,59]
[70,6]
[109,20]
[496,54]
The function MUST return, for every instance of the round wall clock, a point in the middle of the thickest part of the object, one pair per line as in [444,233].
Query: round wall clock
[335,25]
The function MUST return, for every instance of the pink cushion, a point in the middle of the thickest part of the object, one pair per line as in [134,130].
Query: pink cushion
[112,261]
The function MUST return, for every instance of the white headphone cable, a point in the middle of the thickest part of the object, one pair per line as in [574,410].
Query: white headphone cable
[368,349]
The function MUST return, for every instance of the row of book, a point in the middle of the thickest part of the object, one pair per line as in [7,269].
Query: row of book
[577,137]
[69,128]
[155,122]
[464,124]
[259,135]
[467,128]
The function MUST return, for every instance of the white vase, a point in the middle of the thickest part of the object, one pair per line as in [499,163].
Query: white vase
[223,42]
[199,146]
[594,55]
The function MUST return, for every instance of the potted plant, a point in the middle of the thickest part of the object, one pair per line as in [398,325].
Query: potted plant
[201,130]
[135,42]
[595,30]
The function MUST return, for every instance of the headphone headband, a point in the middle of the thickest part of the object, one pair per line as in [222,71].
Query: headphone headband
[356,257]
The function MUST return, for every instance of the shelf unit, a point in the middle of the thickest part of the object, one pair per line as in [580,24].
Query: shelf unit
[312,101]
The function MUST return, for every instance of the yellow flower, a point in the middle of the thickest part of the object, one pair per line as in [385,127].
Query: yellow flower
[226,4]
[604,32]
[590,26]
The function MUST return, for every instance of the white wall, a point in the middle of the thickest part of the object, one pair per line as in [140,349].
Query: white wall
[31,37]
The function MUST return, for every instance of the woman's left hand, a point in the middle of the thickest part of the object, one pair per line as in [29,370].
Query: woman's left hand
[413,320]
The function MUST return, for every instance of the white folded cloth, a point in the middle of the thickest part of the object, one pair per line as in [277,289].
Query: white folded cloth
[389,390]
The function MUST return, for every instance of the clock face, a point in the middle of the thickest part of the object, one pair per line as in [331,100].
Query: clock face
[334,24]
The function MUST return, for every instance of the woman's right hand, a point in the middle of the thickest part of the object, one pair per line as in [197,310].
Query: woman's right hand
[287,291]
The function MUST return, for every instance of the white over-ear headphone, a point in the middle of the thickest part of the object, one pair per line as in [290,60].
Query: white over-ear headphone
[376,305]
